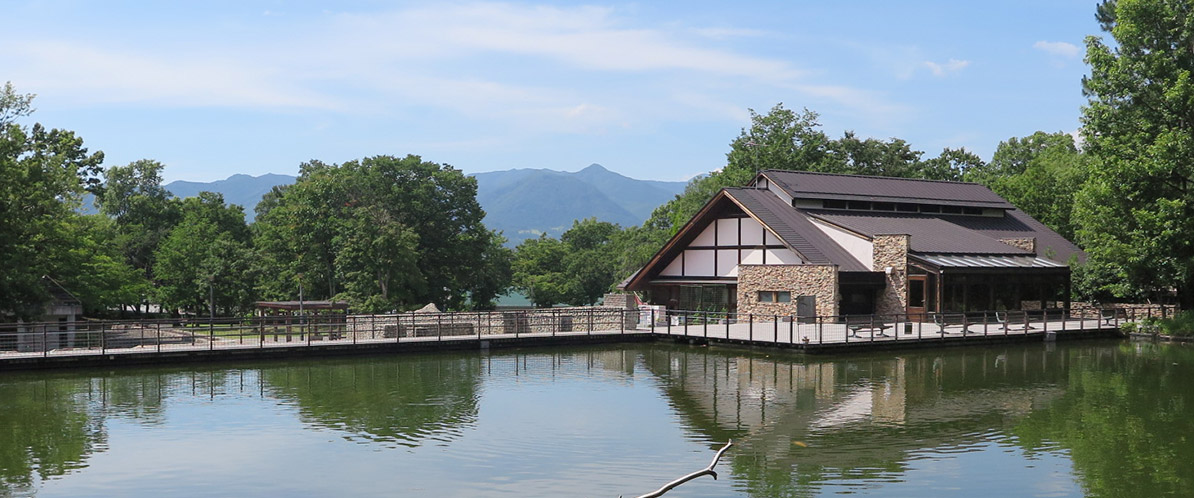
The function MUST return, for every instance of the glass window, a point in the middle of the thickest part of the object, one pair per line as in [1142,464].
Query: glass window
[775,297]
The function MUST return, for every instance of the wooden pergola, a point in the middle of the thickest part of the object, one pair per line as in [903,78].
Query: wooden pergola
[311,317]
[307,307]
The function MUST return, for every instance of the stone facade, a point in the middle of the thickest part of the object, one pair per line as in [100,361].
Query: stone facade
[533,321]
[623,301]
[1027,244]
[891,251]
[819,281]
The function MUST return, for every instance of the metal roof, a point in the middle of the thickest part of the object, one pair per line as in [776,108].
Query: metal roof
[810,185]
[970,261]
[928,233]
[1018,224]
[795,229]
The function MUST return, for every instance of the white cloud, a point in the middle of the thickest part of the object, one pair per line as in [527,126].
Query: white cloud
[1057,48]
[570,69]
[943,69]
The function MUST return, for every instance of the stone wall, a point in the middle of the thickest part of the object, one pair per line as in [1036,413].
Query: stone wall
[819,281]
[535,321]
[1027,244]
[623,301]
[891,251]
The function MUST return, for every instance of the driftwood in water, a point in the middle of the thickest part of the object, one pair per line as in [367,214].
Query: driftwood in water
[705,471]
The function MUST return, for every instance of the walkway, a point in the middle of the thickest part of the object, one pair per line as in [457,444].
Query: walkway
[156,342]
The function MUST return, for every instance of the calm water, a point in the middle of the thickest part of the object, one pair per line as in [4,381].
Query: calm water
[1098,419]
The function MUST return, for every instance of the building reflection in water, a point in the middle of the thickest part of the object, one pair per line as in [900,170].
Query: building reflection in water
[801,420]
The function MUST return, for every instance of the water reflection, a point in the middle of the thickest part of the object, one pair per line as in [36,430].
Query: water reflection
[803,422]
[383,401]
[1115,415]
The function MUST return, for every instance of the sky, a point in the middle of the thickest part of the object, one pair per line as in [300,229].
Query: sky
[651,90]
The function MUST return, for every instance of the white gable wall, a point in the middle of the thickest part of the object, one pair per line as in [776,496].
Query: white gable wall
[724,244]
[860,248]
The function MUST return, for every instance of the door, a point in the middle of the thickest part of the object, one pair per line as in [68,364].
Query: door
[916,298]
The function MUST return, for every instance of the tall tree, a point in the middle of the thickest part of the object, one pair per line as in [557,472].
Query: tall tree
[207,255]
[44,173]
[1136,211]
[337,224]
[143,211]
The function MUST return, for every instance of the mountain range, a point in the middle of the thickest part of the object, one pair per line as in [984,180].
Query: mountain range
[522,203]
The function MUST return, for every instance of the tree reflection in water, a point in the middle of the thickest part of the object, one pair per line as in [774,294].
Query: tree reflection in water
[387,402]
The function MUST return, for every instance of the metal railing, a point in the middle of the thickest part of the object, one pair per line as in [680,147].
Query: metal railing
[850,329]
[86,337]
[89,337]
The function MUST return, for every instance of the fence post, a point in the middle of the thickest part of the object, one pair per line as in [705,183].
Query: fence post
[705,325]
[652,321]
[45,342]
[591,310]
[750,331]
[775,328]
[103,343]
[159,336]
[984,324]
[791,328]
[211,334]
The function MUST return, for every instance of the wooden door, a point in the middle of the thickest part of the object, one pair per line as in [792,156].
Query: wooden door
[917,293]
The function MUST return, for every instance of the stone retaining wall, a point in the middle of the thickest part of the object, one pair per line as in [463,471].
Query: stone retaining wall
[547,320]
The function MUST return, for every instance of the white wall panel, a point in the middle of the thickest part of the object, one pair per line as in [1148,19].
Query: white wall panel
[673,268]
[727,232]
[706,236]
[858,247]
[727,263]
[752,256]
[770,239]
[698,262]
[752,233]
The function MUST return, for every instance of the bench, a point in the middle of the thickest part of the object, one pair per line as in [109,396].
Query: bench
[1003,320]
[879,330]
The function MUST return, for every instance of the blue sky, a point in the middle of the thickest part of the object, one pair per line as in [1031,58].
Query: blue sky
[653,90]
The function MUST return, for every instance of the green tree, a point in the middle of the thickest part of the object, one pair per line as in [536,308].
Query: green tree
[1040,174]
[384,232]
[44,175]
[207,254]
[540,270]
[1136,211]
[577,269]
[143,211]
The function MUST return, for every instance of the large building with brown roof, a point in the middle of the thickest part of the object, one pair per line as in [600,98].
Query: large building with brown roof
[818,244]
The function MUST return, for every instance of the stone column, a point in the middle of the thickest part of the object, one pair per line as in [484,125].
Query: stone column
[891,252]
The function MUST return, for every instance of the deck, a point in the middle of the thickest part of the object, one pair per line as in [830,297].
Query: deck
[107,343]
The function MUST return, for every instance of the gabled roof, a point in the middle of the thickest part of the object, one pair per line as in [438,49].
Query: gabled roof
[795,229]
[929,234]
[791,227]
[810,185]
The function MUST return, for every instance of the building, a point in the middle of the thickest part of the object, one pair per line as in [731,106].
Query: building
[818,244]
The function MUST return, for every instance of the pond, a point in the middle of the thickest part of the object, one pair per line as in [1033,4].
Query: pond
[1104,418]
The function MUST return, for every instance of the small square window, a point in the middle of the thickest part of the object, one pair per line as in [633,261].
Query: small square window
[775,297]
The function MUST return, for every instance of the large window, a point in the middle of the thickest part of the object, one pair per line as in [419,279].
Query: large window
[775,297]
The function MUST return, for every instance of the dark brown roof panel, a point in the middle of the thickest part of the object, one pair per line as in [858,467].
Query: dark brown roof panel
[809,185]
[929,234]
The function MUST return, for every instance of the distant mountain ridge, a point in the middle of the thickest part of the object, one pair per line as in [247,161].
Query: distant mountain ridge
[522,203]
[243,190]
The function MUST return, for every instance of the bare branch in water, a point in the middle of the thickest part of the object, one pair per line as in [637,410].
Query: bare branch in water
[705,471]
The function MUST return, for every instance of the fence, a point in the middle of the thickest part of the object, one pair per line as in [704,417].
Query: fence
[112,336]
[128,336]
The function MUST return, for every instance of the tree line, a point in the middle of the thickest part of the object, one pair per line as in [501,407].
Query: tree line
[383,233]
